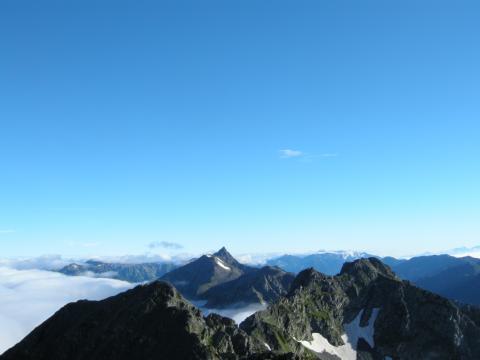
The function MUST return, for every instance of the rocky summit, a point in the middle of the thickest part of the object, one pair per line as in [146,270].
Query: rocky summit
[202,274]
[366,312]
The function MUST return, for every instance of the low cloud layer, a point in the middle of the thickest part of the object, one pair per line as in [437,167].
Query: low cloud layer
[238,314]
[44,262]
[29,297]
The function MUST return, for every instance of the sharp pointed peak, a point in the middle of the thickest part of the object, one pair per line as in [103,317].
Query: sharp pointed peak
[225,256]
[222,252]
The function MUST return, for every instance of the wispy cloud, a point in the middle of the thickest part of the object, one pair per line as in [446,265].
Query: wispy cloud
[327,155]
[165,245]
[7,231]
[303,156]
[289,153]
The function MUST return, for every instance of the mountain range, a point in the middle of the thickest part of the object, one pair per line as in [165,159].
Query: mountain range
[457,278]
[127,272]
[221,281]
[327,262]
[364,312]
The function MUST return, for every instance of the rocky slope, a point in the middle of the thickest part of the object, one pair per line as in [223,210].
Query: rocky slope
[198,276]
[366,312]
[128,272]
[265,285]
[148,322]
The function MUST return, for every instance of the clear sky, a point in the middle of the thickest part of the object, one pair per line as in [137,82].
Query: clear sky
[259,125]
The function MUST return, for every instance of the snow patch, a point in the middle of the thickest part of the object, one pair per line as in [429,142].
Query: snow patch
[221,264]
[353,332]
[267,346]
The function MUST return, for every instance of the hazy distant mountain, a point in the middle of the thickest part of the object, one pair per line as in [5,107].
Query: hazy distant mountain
[329,263]
[424,266]
[461,283]
[364,313]
[457,278]
[263,285]
[195,278]
[465,251]
[127,272]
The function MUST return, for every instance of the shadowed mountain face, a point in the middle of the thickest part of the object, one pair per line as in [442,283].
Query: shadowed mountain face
[194,279]
[264,285]
[366,312]
[148,322]
[455,278]
[128,272]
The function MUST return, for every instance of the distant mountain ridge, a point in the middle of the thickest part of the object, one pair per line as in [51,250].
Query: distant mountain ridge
[327,262]
[456,278]
[127,272]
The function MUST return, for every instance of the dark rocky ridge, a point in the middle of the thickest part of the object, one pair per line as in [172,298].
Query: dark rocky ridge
[148,322]
[265,285]
[411,323]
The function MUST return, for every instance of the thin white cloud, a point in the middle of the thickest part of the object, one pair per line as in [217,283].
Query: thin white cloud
[165,245]
[289,153]
[29,297]
[303,156]
[328,155]
[7,231]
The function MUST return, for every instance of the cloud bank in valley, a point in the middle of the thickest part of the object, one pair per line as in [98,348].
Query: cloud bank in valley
[29,297]
[238,314]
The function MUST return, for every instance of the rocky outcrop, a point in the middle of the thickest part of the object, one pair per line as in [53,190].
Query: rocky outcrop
[366,312]
[148,322]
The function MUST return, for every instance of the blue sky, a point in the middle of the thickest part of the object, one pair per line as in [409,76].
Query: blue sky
[125,123]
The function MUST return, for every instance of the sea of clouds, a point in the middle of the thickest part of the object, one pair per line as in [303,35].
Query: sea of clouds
[30,296]
[31,291]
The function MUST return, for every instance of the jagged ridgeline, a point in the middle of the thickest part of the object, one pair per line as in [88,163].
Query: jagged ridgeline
[148,322]
[365,312]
